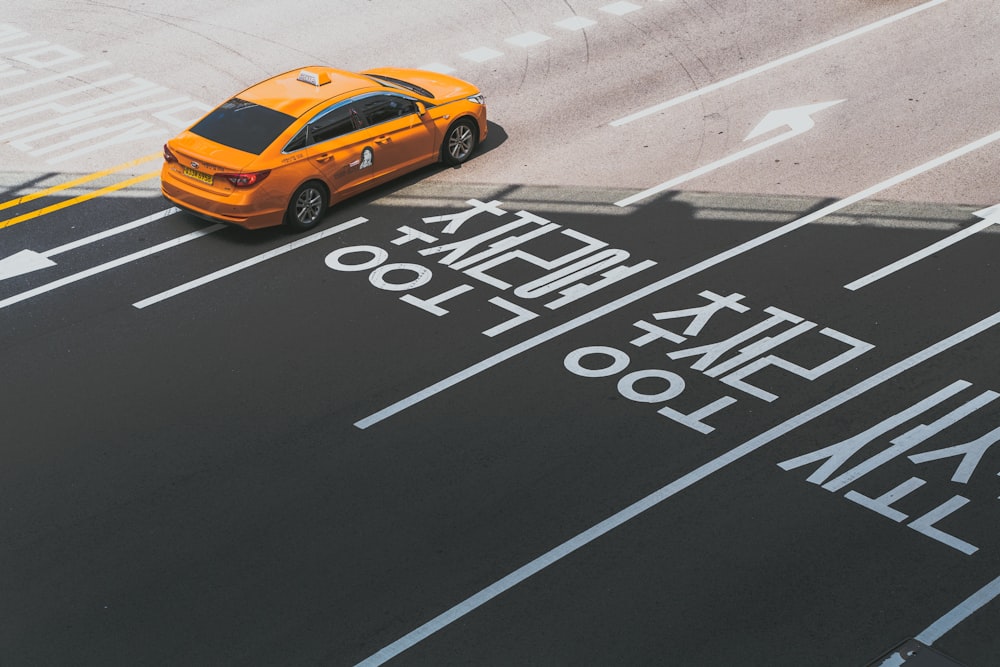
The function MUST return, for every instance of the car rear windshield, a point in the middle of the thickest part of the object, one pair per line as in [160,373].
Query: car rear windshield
[243,125]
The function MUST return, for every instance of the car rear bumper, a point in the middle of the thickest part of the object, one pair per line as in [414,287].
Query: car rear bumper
[242,210]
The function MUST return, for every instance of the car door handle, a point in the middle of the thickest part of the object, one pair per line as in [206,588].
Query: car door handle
[383,139]
[324,157]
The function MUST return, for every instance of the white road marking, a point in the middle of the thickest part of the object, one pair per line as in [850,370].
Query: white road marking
[263,257]
[576,23]
[57,123]
[472,603]
[440,68]
[798,119]
[620,8]
[526,39]
[965,609]
[718,85]
[23,296]
[641,293]
[989,221]
[482,54]
[27,261]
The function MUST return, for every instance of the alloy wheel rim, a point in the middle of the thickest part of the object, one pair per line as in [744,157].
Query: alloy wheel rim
[308,206]
[460,142]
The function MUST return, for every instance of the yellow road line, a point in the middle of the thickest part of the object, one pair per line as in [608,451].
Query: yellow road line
[82,198]
[77,181]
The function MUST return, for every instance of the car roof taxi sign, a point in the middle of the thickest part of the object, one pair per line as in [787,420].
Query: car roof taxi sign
[313,77]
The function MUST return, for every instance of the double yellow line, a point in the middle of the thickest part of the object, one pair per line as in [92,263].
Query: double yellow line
[81,198]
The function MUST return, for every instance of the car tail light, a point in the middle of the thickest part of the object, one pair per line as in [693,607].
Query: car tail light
[167,155]
[246,179]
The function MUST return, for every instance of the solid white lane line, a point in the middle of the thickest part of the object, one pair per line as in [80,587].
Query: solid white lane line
[966,608]
[107,266]
[921,254]
[775,63]
[657,497]
[111,232]
[263,257]
[641,293]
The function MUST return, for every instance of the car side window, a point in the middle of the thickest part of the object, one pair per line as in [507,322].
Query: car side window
[334,123]
[381,108]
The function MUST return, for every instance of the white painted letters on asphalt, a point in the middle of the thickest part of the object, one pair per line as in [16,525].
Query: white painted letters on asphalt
[558,553]
[652,288]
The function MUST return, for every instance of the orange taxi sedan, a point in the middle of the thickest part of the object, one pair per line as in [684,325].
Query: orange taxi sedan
[285,149]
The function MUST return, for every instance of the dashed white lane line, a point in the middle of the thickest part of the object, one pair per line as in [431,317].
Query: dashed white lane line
[531,38]
[576,23]
[482,54]
[440,68]
[620,8]
[526,39]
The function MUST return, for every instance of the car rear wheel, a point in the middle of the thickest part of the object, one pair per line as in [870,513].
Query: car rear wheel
[459,142]
[307,207]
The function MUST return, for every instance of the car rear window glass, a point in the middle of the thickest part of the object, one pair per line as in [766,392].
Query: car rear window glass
[243,125]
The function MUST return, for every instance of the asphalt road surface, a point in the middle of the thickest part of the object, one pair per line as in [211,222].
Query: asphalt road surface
[692,364]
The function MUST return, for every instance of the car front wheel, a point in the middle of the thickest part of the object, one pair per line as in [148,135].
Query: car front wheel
[307,206]
[459,142]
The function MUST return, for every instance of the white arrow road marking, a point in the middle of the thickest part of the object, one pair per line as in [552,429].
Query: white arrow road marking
[652,288]
[93,271]
[991,216]
[798,120]
[270,254]
[586,537]
[27,261]
[775,63]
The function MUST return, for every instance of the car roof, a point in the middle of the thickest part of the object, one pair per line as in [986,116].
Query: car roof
[297,91]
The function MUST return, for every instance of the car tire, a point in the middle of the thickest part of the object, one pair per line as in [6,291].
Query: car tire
[459,142]
[307,206]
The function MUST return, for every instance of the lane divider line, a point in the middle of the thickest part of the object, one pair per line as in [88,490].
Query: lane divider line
[229,270]
[77,181]
[965,609]
[100,236]
[107,266]
[900,264]
[80,199]
[711,88]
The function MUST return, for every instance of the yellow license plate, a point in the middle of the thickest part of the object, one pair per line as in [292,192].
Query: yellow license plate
[200,175]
